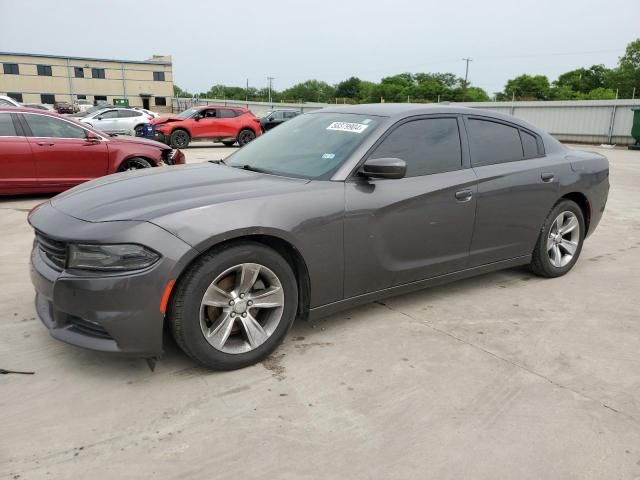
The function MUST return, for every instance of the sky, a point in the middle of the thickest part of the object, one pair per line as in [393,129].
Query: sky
[215,42]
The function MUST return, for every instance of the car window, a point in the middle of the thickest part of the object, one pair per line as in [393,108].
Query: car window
[6,102]
[226,113]
[7,129]
[211,113]
[428,146]
[529,144]
[276,116]
[492,142]
[46,126]
[108,114]
[290,114]
[128,114]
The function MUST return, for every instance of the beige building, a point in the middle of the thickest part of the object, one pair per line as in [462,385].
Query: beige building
[35,78]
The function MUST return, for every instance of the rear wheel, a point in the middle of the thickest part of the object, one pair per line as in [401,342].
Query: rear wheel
[138,130]
[560,241]
[245,136]
[136,163]
[234,306]
[180,139]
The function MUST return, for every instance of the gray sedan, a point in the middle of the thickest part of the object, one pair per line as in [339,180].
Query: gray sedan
[331,210]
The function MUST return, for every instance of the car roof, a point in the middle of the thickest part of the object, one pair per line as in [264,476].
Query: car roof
[28,110]
[401,110]
[228,107]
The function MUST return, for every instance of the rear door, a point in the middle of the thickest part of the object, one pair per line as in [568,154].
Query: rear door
[129,119]
[62,153]
[417,227]
[229,124]
[517,186]
[17,166]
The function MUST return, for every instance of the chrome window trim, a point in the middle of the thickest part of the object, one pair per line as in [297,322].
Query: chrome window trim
[64,120]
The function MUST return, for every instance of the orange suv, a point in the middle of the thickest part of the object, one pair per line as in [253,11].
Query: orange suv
[214,123]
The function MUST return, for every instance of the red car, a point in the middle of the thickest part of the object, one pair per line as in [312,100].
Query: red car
[215,123]
[45,152]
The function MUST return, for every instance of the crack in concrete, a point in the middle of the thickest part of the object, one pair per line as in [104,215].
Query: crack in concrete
[511,362]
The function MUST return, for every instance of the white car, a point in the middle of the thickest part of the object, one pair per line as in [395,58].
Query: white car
[125,121]
[8,102]
[148,112]
[82,105]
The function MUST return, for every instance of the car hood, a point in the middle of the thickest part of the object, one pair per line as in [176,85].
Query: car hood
[138,140]
[156,192]
[162,120]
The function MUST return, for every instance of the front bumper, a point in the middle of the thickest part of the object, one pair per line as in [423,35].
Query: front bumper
[117,313]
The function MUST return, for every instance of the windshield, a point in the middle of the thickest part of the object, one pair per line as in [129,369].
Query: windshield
[188,113]
[309,146]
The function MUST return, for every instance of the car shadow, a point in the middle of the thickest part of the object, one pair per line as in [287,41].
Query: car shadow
[174,362]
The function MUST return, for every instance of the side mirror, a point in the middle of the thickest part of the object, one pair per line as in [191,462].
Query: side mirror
[391,168]
[91,137]
[197,118]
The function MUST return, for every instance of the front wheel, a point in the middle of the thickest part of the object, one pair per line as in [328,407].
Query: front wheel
[234,306]
[135,163]
[179,139]
[245,136]
[560,241]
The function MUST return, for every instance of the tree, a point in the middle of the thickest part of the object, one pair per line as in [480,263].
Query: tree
[178,92]
[349,88]
[584,80]
[310,91]
[524,87]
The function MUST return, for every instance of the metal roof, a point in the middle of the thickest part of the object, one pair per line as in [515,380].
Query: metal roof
[65,57]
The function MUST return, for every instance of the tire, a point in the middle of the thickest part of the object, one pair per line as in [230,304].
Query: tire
[138,130]
[135,163]
[229,144]
[180,138]
[245,136]
[554,255]
[230,345]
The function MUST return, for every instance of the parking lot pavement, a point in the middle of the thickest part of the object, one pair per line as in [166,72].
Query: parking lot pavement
[503,376]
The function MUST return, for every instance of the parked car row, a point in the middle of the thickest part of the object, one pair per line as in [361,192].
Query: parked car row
[46,152]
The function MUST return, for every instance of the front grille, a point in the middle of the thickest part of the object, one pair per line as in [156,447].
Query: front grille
[55,251]
[86,327]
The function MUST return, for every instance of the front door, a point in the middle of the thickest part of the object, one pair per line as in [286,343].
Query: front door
[62,153]
[17,167]
[517,187]
[402,231]
[207,126]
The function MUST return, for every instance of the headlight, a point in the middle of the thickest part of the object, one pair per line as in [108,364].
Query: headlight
[110,257]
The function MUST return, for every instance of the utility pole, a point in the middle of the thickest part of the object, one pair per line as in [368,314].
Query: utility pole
[246,92]
[466,77]
[270,80]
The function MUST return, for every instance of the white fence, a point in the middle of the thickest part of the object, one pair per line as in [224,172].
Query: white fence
[586,121]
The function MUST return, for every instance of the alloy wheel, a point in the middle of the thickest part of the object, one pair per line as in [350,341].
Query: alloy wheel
[563,239]
[241,308]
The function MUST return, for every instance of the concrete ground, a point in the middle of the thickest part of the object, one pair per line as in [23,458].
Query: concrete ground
[504,376]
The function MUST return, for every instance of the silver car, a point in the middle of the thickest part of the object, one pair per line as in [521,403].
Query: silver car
[124,121]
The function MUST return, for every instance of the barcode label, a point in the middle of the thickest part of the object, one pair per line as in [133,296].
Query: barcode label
[347,127]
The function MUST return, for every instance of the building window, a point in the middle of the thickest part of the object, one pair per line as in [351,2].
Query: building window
[48,98]
[44,70]
[79,72]
[11,69]
[161,101]
[97,72]
[16,96]
[99,98]
[81,97]
[158,76]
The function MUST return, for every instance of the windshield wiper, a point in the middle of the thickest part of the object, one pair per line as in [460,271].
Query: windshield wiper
[252,168]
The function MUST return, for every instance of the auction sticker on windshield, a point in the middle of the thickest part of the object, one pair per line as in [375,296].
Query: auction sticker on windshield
[347,127]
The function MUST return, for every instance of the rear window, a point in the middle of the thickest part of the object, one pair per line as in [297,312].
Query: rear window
[7,128]
[493,142]
[224,113]
[529,144]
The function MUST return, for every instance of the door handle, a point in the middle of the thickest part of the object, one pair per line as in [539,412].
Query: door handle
[547,177]
[45,144]
[464,195]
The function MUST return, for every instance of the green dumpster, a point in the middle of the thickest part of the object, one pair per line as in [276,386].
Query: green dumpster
[121,102]
[635,129]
